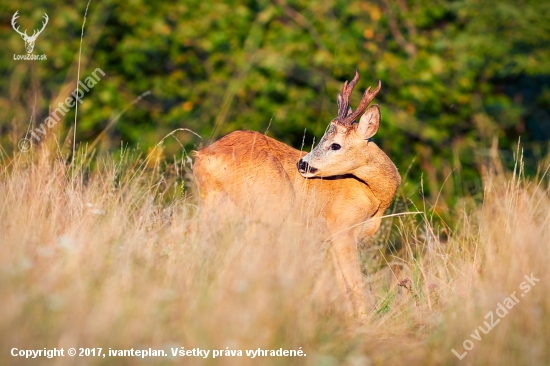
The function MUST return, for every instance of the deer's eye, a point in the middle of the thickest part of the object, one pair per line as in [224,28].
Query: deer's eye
[335,147]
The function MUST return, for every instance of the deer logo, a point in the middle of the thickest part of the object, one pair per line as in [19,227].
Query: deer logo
[29,40]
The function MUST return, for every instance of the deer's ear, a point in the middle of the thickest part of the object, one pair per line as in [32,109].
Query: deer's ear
[369,122]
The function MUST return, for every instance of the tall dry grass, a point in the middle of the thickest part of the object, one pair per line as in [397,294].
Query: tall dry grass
[110,253]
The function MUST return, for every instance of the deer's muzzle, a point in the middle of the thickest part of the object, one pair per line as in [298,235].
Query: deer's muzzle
[304,168]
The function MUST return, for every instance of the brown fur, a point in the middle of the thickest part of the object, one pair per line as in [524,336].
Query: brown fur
[258,175]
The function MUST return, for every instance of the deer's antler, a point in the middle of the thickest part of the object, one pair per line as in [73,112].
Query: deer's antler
[345,118]
[35,34]
[344,97]
[13,24]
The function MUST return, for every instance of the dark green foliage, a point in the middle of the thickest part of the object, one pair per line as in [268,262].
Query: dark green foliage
[454,73]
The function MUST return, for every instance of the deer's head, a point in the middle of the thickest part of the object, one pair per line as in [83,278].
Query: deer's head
[29,40]
[344,141]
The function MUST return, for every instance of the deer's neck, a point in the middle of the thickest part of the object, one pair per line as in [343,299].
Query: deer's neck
[380,174]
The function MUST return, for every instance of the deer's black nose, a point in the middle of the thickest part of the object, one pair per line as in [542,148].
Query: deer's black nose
[303,167]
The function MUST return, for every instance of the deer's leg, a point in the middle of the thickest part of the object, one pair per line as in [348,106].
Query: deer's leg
[346,262]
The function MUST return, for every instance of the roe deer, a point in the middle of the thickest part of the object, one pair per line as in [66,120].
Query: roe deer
[346,180]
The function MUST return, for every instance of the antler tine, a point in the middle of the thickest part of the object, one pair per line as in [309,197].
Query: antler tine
[14,21]
[344,97]
[368,96]
[43,24]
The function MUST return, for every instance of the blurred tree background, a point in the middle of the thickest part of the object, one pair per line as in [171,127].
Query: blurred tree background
[455,75]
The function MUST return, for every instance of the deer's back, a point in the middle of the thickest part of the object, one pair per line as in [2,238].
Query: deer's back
[244,155]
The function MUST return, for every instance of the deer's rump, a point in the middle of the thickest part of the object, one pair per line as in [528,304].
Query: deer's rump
[251,171]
